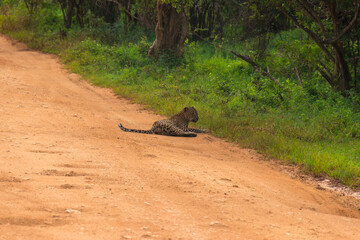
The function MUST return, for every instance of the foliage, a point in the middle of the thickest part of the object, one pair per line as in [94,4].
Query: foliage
[332,26]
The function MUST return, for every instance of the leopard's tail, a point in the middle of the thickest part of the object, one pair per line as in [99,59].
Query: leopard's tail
[134,130]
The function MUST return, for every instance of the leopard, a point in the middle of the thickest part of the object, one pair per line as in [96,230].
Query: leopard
[177,125]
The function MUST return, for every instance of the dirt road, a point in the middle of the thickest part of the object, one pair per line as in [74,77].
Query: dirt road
[68,172]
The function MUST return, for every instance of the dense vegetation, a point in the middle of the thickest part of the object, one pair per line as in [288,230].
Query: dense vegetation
[288,99]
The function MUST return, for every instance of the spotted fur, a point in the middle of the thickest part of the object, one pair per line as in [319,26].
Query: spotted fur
[177,125]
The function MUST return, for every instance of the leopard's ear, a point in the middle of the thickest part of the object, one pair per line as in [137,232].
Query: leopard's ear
[185,109]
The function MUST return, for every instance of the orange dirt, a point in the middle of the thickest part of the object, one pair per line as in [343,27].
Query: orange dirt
[68,172]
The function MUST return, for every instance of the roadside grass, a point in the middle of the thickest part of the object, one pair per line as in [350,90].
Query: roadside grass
[313,126]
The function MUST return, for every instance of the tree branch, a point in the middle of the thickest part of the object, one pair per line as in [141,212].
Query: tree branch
[298,76]
[250,61]
[310,11]
[120,6]
[326,76]
[257,67]
[349,26]
[318,41]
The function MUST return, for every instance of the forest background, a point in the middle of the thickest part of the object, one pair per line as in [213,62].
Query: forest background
[278,76]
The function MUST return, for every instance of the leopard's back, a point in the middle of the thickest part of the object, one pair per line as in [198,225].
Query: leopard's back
[170,128]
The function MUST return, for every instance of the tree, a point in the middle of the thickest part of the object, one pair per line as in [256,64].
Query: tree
[206,18]
[329,24]
[70,8]
[171,29]
[139,12]
[105,9]
[67,8]
[32,5]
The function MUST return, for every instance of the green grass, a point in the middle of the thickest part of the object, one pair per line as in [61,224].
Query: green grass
[313,127]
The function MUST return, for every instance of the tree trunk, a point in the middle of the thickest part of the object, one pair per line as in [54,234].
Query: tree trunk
[67,11]
[171,31]
[80,12]
[343,68]
[219,20]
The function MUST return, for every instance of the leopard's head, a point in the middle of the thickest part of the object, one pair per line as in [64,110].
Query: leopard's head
[190,114]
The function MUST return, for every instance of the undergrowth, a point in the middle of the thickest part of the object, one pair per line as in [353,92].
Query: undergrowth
[310,125]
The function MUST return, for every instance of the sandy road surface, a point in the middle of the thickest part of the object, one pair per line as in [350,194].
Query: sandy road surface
[68,172]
